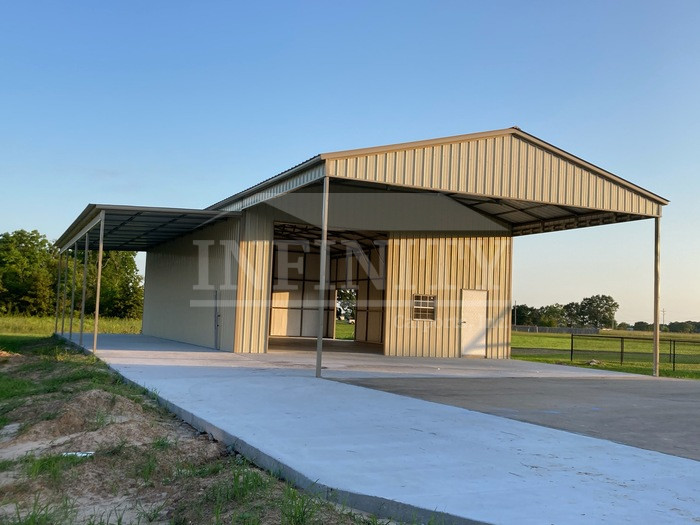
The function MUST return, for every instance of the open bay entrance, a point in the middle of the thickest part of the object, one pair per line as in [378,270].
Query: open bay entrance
[354,302]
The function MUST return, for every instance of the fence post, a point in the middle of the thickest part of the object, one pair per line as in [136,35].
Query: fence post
[572,347]
[622,350]
[670,353]
[674,355]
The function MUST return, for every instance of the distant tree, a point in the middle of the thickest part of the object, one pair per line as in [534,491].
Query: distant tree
[686,327]
[552,315]
[122,286]
[598,311]
[641,326]
[347,298]
[525,315]
[28,264]
[623,326]
[27,273]
[572,314]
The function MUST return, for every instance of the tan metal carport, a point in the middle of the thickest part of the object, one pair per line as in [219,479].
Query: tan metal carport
[468,194]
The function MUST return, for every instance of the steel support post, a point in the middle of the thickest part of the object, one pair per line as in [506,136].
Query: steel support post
[58,290]
[99,283]
[322,276]
[82,299]
[657,291]
[72,292]
[64,295]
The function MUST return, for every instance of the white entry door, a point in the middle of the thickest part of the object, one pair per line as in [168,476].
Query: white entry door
[473,323]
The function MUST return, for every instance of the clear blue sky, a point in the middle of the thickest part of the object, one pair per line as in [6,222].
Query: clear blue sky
[182,103]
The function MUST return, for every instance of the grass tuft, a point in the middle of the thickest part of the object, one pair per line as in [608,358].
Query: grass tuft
[298,508]
[243,482]
[52,466]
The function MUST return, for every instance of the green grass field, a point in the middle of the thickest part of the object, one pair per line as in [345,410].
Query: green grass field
[44,326]
[555,348]
[344,330]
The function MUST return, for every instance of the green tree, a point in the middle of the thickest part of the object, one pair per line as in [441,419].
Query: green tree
[27,273]
[598,311]
[347,298]
[525,315]
[122,286]
[641,326]
[572,314]
[687,327]
[552,315]
[28,264]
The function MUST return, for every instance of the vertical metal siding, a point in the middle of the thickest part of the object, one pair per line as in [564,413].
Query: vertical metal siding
[443,266]
[254,280]
[173,308]
[504,166]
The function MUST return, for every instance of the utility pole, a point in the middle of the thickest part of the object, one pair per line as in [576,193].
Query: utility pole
[663,317]
[515,313]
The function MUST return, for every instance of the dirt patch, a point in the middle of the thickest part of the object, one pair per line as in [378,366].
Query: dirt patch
[78,445]
[118,434]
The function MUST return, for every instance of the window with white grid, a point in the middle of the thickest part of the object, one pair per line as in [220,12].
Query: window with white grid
[424,307]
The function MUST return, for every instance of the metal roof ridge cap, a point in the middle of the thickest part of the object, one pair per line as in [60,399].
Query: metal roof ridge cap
[631,185]
[412,144]
[316,159]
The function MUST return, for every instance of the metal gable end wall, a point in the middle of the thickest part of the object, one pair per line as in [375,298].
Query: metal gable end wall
[505,165]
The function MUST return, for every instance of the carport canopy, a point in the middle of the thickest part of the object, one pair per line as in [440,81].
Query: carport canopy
[127,228]
[135,228]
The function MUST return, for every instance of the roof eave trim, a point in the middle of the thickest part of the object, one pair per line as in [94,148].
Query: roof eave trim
[313,161]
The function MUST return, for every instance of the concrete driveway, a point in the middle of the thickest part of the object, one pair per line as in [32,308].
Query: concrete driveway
[661,415]
[411,458]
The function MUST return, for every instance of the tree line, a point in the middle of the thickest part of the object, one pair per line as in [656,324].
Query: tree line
[28,278]
[678,327]
[597,311]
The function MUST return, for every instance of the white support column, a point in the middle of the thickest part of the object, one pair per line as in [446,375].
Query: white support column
[99,282]
[58,290]
[82,300]
[322,276]
[657,291]
[64,295]
[72,292]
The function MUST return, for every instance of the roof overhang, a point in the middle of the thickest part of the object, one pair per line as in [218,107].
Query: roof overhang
[136,228]
[510,176]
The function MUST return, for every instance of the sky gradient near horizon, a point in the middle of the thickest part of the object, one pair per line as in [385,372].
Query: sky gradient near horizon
[184,103]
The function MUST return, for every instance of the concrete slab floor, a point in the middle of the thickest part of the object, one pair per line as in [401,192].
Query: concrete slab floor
[395,454]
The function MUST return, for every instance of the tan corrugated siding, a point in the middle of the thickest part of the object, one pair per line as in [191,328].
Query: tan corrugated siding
[173,306]
[254,280]
[443,266]
[506,166]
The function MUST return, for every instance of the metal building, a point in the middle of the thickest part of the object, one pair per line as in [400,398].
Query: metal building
[422,231]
